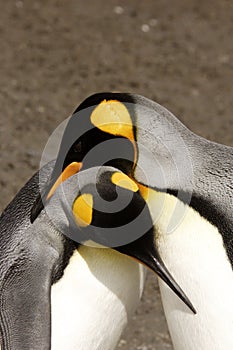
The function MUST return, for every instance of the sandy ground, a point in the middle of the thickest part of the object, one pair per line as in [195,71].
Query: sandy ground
[56,53]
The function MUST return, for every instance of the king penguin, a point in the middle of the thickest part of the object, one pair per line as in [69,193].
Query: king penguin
[189,193]
[58,291]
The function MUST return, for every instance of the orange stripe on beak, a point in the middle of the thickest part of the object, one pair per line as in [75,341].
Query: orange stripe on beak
[70,170]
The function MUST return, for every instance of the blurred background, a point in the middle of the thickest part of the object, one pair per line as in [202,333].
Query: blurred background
[56,53]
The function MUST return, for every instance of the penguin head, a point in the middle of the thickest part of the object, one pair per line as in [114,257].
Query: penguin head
[103,207]
[101,131]
[102,121]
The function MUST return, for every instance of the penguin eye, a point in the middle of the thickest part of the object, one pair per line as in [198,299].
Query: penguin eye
[77,147]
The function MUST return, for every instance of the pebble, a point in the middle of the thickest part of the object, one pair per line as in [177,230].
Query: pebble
[145,28]
[118,10]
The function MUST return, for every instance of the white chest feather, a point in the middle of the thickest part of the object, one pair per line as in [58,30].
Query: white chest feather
[195,255]
[93,300]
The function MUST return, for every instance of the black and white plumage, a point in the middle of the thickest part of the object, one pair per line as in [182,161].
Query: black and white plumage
[186,182]
[178,164]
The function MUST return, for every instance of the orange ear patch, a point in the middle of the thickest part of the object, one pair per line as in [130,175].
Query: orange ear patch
[113,117]
[124,181]
[83,209]
[70,170]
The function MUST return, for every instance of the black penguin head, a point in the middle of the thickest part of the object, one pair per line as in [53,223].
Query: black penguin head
[101,131]
[100,118]
[103,206]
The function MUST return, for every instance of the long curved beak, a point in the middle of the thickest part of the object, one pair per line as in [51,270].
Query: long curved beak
[145,251]
[157,266]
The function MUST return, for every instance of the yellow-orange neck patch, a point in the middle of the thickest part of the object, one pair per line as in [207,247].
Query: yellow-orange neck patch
[144,191]
[83,209]
[124,181]
[147,193]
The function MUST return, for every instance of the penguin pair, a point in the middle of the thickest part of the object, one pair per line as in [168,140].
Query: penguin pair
[191,213]
[55,292]
[160,155]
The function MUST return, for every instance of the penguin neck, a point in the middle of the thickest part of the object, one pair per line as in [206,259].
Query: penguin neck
[196,170]
[212,194]
[92,302]
[212,172]
[193,251]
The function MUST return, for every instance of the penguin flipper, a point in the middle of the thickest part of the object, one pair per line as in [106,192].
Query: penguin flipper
[25,318]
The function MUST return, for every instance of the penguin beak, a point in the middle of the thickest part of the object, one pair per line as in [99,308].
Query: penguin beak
[144,250]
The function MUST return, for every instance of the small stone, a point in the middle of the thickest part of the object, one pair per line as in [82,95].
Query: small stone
[118,10]
[145,28]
